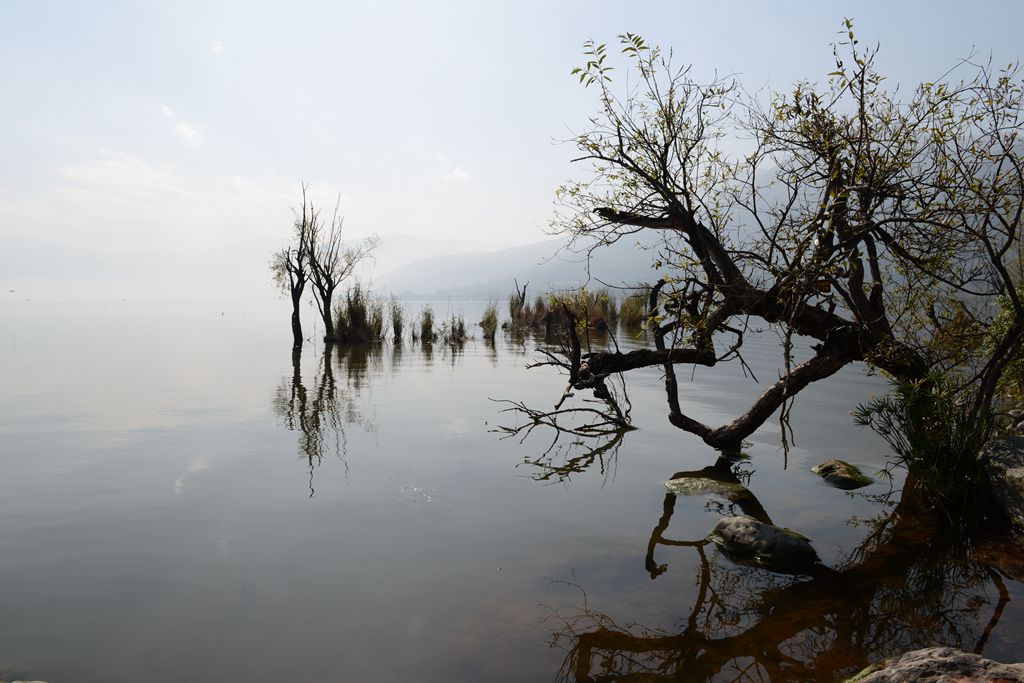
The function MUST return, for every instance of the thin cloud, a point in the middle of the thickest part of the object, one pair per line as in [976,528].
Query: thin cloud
[451,172]
[456,174]
[167,111]
[118,199]
[189,134]
[217,46]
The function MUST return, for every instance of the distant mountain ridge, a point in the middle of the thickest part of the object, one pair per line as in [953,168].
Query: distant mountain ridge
[545,265]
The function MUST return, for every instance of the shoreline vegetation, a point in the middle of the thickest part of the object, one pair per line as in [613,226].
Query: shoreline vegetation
[366,317]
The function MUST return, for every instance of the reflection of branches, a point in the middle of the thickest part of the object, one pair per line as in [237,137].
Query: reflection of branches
[320,415]
[905,587]
[596,440]
[599,425]
[608,387]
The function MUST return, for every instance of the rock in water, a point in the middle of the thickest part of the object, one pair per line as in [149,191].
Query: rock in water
[841,474]
[696,486]
[1003,462]
[748,541]
[939,665]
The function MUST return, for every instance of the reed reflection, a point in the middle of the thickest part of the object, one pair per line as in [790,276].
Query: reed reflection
[321,410]
[906,586]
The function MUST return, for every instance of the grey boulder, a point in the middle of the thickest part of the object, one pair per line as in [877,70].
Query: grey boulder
[939,665]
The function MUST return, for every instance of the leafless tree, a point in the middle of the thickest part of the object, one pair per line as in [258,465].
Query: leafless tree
[291,266]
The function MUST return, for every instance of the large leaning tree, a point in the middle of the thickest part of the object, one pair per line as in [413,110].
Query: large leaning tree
[881,226]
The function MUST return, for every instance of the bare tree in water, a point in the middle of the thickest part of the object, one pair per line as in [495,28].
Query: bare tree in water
[317,255]
[332,262]
[291,266]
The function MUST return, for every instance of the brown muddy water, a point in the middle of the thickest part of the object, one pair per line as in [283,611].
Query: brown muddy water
[181,499]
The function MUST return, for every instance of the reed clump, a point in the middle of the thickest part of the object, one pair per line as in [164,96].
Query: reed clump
[360,317]
[424,330]
[595,309]
[397,318]
[633,312]
[453,332]
[523,315]
[489,321]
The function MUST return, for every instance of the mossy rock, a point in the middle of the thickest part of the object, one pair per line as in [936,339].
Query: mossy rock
[842,475]
[746,540]
[697,486]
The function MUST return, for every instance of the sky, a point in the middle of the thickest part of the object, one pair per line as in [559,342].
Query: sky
[156,150]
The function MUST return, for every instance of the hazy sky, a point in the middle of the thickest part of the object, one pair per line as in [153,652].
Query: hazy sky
[156,149]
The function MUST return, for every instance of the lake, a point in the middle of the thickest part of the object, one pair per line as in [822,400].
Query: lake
[183,499]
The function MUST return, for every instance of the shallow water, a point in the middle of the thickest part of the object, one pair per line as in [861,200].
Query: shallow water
[180,498]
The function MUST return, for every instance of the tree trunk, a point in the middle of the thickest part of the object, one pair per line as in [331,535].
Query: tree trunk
[330,335]
[325,299]
[296,320]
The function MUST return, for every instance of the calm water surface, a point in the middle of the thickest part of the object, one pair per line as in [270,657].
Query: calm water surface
[182,499]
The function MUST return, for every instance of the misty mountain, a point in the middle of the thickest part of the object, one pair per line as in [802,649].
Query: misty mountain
[397,250]
[545,265]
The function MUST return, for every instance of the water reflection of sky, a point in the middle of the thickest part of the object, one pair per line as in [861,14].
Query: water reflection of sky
[179,497]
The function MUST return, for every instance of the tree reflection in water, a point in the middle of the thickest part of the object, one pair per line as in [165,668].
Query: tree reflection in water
[321,414]
[909,584]
[574,449]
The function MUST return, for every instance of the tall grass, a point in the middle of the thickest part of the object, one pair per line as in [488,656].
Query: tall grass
[360,317]
[489,321]
[522,314]
[633,311]
[427,335]
[397,318]
[453,332]
[596,309]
